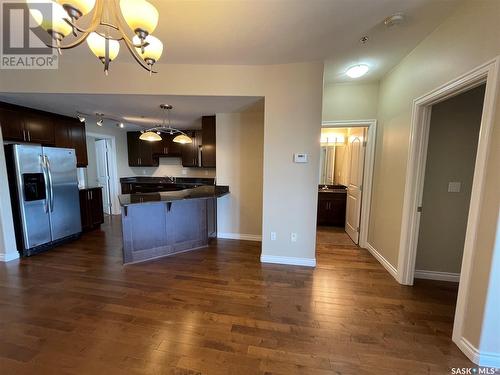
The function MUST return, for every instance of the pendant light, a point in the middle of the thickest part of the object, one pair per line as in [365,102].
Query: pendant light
[153,134]
[150,136]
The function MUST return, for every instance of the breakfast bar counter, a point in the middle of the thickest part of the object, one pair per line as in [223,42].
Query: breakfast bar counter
[165,223]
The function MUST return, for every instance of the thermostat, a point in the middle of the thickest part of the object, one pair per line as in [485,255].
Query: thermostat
[300,158]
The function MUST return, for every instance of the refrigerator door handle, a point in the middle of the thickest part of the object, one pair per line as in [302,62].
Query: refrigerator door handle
[46,182]
[47,163]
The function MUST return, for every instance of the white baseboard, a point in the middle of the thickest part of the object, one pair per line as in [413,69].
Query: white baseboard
[240,236]
[308,262]
[8,257]
[436,275]
[483,359]
[384,262]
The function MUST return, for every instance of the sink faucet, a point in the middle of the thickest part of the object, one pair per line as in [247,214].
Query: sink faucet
[171,179]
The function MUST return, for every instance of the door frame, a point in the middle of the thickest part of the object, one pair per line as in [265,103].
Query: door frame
[366,193]
[107,143]
[419,136]
[113,171]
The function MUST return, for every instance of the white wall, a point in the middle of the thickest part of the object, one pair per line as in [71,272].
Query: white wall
[240,146]
[289,189]
[8,247]
[350,101]
[91,169]
[467,39]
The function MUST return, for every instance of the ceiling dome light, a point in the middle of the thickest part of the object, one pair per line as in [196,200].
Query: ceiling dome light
[357,71]
[182,139]
[150,136]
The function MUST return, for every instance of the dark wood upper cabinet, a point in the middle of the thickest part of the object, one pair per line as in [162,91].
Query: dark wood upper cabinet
[39,128]
[167,146]
[79,141]
[12,125]
[190,151]
[22,124]
[208,144]
[141,153]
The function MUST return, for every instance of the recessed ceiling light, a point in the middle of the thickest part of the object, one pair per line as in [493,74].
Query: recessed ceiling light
[357,71]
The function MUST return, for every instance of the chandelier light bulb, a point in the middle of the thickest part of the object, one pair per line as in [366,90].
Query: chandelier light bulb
[77,8]
[140,15]
[150,53]
[50,16]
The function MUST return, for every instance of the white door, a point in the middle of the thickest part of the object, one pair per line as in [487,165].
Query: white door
[103,180]
[356,154]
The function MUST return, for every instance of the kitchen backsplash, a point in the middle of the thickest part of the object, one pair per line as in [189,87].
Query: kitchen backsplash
[173,167]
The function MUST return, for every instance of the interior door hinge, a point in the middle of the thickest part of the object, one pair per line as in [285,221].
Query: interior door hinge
[419,209]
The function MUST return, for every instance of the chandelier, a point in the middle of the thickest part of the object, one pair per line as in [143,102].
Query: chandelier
[108,25]
[153,134]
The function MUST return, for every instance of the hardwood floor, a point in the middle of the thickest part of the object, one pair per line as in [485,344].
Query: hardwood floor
[77,310]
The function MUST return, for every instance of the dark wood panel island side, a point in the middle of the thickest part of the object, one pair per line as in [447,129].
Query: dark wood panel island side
[160,224]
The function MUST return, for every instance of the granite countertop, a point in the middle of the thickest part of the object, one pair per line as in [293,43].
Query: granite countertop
[88,187]
[200,192]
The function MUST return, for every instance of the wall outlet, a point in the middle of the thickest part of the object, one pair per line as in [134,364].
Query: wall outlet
[293,237]
[273,236]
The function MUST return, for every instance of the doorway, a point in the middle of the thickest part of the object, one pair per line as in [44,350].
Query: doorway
[103,177]
[102,170]
[344,189]
[449,170]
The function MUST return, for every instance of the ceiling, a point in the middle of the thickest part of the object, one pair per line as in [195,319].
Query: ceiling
[136,110]
[257,32]
[285,31]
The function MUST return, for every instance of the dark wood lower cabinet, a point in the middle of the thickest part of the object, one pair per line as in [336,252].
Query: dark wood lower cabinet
[91,208]
[331,209]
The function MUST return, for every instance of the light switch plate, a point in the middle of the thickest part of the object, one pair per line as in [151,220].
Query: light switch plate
[454,187]
[273,236]
[300,157]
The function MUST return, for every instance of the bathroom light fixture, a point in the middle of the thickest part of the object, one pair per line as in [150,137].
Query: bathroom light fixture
[357,71]
[153,134]
[110,23]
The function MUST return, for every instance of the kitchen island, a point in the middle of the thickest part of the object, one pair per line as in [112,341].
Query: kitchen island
[165,223]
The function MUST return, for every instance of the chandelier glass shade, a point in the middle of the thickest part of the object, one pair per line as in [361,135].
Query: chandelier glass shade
[110,22]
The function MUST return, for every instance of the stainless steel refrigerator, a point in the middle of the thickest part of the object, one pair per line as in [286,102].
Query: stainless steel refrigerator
[44,195]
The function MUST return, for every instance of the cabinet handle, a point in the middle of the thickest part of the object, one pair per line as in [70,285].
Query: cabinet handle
[24,135]
[29,136]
